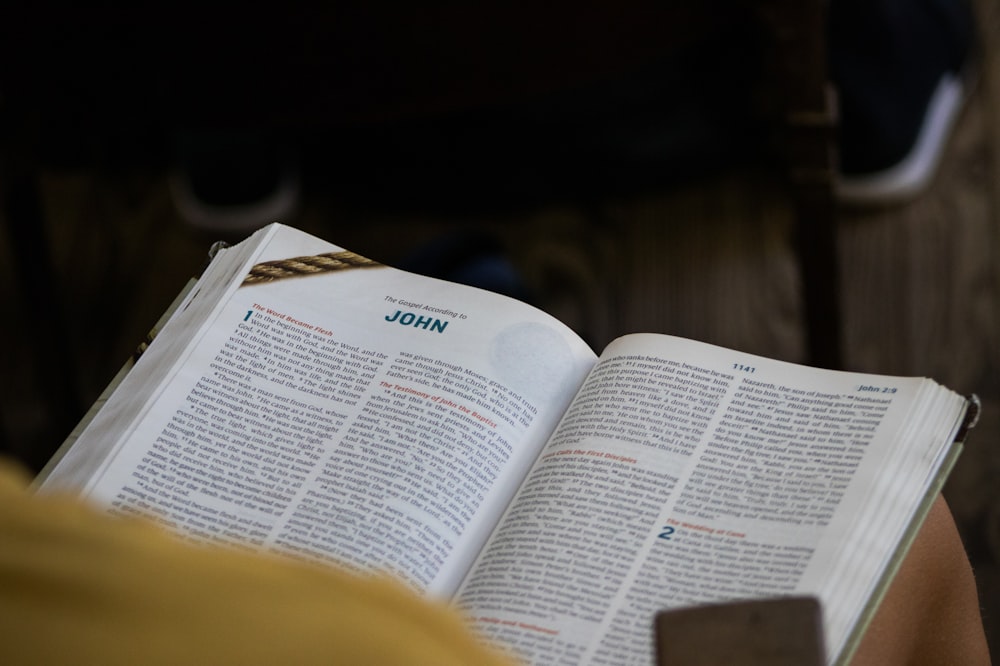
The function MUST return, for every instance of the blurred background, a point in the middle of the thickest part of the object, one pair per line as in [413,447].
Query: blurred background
[635,167]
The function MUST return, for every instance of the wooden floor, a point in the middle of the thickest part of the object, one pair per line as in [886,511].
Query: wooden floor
[711,260]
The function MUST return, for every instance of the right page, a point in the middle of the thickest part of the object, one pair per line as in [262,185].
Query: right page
[685,473]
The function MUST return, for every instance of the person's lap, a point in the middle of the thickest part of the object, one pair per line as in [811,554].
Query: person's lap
[930,614]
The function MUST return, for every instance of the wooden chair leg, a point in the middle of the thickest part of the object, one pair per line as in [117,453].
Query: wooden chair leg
[810,153]
[54,363]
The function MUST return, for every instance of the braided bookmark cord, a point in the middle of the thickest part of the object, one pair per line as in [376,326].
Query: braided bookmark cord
[269,271]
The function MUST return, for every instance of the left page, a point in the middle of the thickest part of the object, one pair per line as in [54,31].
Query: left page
[334,409]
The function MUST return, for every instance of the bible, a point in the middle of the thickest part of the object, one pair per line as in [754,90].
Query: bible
[304,400]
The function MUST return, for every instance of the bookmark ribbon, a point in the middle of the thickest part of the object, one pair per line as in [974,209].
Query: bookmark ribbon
[269,271]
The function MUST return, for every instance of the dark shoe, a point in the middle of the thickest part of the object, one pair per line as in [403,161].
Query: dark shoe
[898,66]
[233,182]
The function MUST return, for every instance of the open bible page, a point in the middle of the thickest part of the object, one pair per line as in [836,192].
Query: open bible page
[684,473]
[357,415]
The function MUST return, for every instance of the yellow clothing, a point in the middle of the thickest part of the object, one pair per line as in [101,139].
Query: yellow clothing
[78,586]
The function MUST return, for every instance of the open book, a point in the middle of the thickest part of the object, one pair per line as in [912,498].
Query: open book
[304,400]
